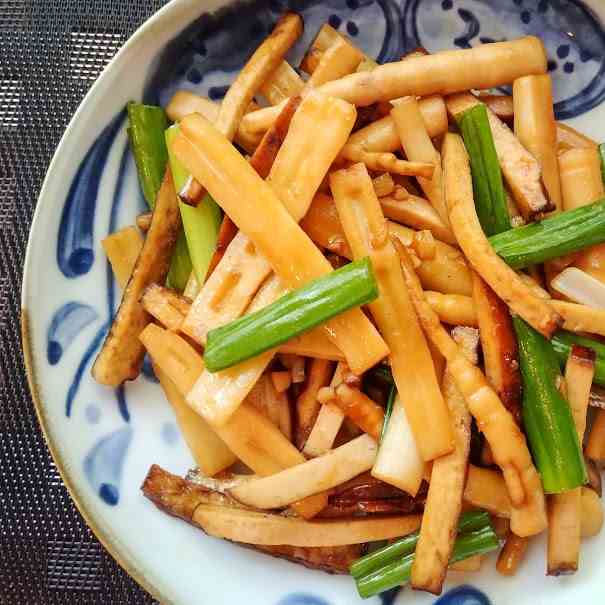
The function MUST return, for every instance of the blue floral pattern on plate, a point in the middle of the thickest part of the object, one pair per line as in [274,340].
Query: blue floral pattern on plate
[205,58]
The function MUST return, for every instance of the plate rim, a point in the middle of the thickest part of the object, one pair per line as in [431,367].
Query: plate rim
[132,567]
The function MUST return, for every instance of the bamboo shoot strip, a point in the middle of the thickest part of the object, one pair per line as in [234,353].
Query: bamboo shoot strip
[547,416]
[536,128]
[552,237]
[490,200]
[410,358]
[485,66]
[276,235]
[444,499]
[313,476]
[283,83]
[121,356]
[289,316]
[467,228]
[502,433]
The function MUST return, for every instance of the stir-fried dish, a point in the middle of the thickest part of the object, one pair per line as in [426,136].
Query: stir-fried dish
[374,297]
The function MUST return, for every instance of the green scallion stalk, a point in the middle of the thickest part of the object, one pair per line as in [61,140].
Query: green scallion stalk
[388,411]
[201,223]
[490,198]
[146,126]
[468,522]
[547,417]
[558,235]
[562,342]
[292,314]
[602,156]
[180,265]
[399,572]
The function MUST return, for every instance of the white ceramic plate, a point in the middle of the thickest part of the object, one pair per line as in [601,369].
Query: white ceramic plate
[104,441]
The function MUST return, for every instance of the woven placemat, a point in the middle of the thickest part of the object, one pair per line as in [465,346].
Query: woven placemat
[51,51]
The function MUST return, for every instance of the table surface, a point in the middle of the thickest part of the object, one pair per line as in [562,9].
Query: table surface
[51,51]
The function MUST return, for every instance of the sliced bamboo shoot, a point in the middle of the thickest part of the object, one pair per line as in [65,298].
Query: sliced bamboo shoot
[447,272]
[444,499]
[283,83]
[328,422]
[417,213]
[311,477]
[307,406]
[453,309]
[536,128]
[261,528]
[485,488]
[208,450]
[122,249]
[166,305]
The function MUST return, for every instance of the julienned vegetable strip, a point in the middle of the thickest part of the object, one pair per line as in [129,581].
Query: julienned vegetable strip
[468,522]
[292,314]
[547,416]
[398,572]
[146,126]
[562,342]
[490,199]
[556,236]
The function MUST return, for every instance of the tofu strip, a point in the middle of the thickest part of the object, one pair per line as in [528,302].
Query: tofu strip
[485,66]
[467,229]
[121,356]
[444,499]
[274,232]
[413,370]
[509,448]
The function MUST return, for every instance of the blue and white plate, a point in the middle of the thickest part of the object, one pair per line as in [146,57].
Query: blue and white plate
[103,441]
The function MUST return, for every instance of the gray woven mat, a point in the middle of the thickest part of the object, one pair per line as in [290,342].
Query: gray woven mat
[51,51]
